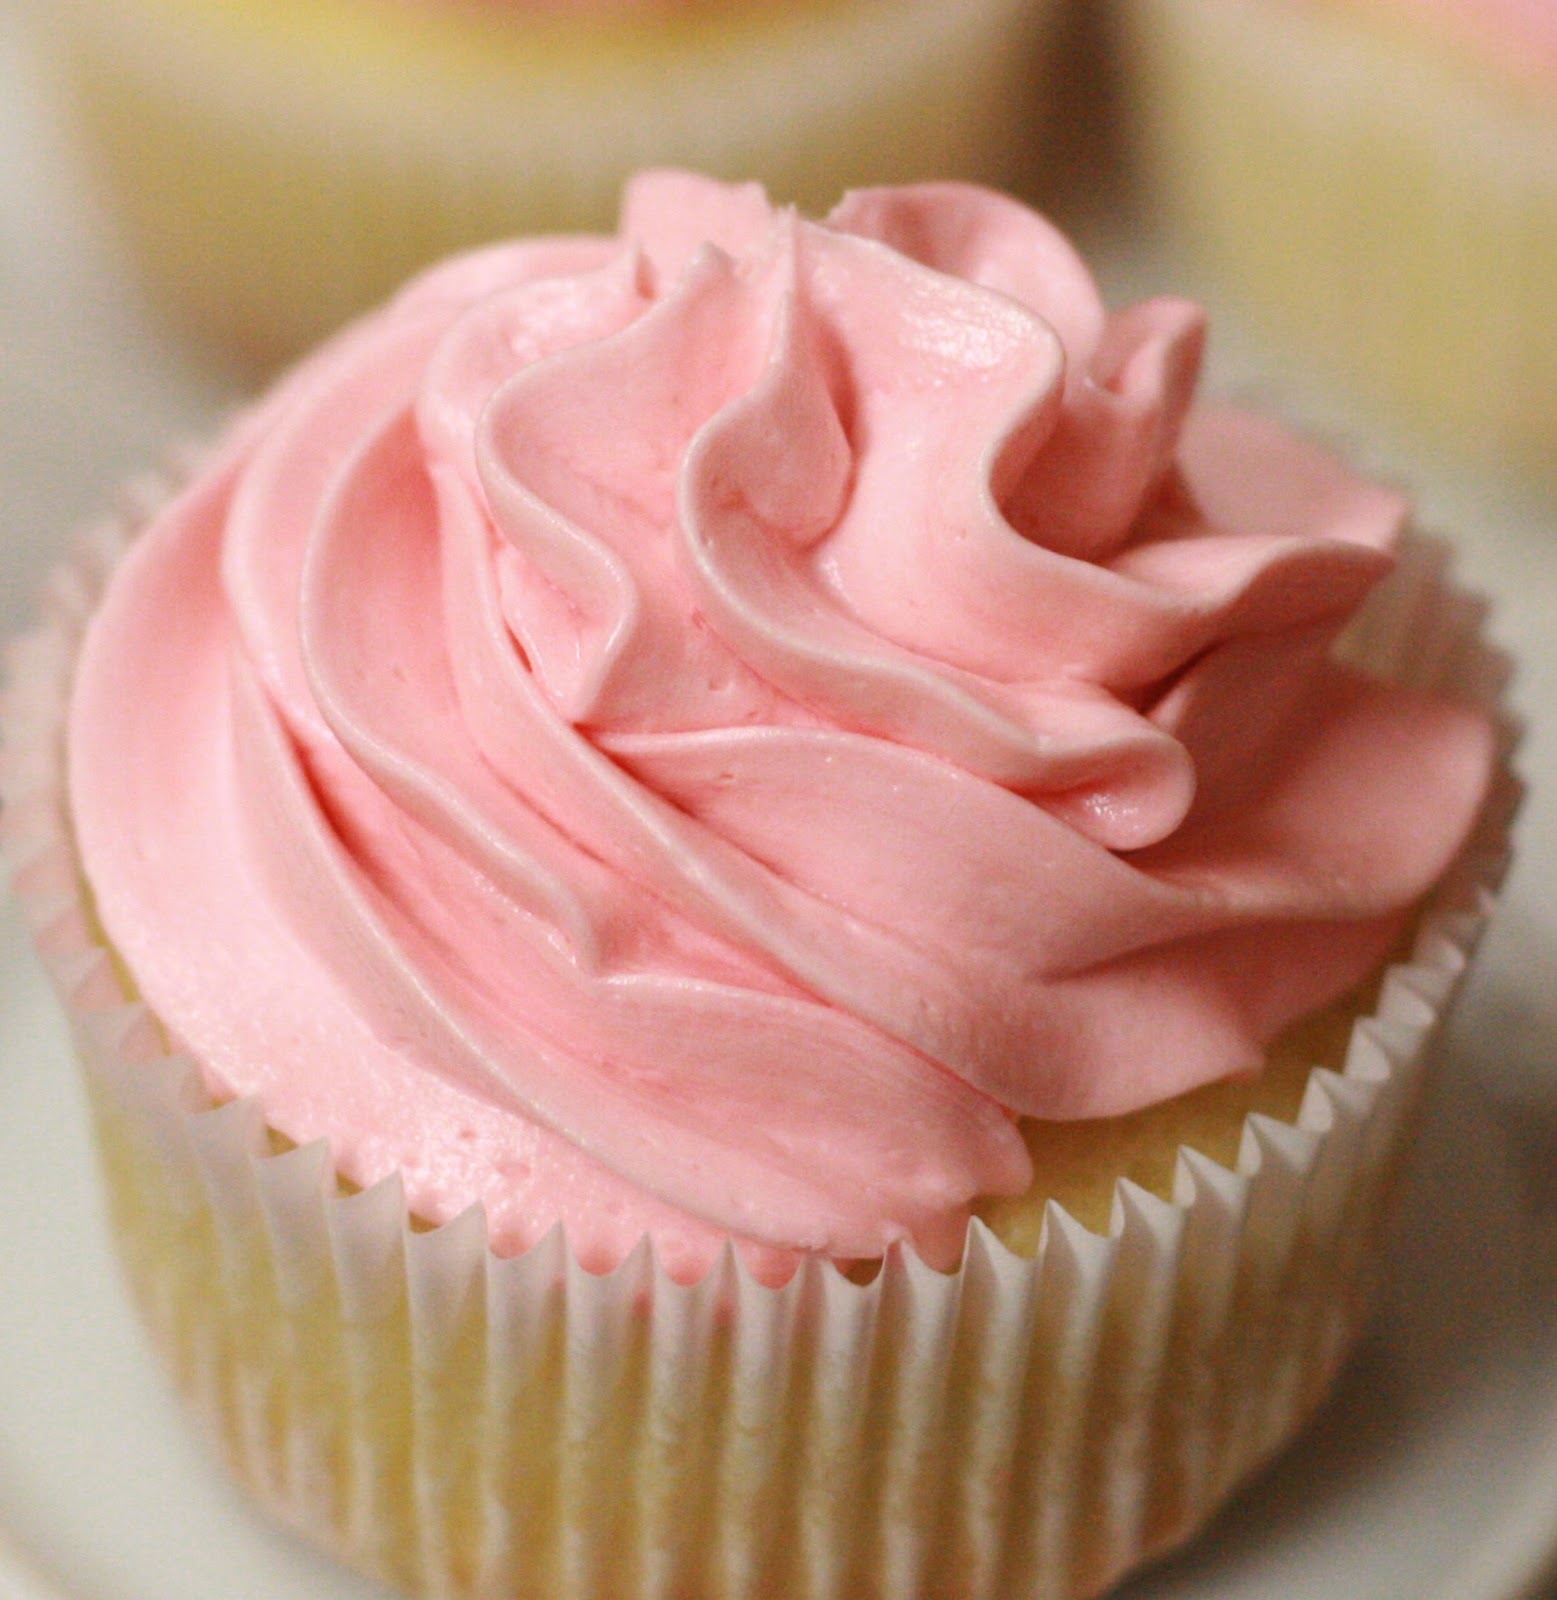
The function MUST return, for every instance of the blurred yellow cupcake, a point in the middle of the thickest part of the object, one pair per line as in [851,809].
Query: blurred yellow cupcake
[1374,182]
[279,165]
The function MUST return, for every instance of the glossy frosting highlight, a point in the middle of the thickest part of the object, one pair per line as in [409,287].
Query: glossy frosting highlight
[696,732]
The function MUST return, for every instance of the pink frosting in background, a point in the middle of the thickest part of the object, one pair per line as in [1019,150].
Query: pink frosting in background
[694,732]
[1519,34]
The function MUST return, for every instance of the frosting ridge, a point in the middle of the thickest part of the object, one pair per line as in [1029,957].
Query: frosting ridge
[707,727]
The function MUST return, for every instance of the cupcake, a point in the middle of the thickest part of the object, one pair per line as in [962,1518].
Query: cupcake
[749,915]
[1373,184]
[280,165]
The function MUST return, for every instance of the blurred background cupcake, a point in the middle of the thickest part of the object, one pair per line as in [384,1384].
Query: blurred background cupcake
[1373,184]
[278,165]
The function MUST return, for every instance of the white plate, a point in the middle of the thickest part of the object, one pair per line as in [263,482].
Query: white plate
[1431,1475]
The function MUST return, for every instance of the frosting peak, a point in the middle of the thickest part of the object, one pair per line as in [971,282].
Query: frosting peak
[695,732]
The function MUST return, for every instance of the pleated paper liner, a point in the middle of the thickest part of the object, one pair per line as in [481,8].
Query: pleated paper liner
[280,165]
[1375,199]
[1031,1425]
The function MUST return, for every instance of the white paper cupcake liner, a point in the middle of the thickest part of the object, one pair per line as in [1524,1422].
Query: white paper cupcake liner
[271,184]
[1373,197]
[464,1425]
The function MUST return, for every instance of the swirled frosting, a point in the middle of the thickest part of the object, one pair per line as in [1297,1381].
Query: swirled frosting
[697,732]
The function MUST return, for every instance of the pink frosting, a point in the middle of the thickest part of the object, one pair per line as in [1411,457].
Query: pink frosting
[692,733]
[1521,35]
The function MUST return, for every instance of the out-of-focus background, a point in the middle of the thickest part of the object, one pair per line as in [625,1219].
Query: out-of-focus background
[1158,133]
